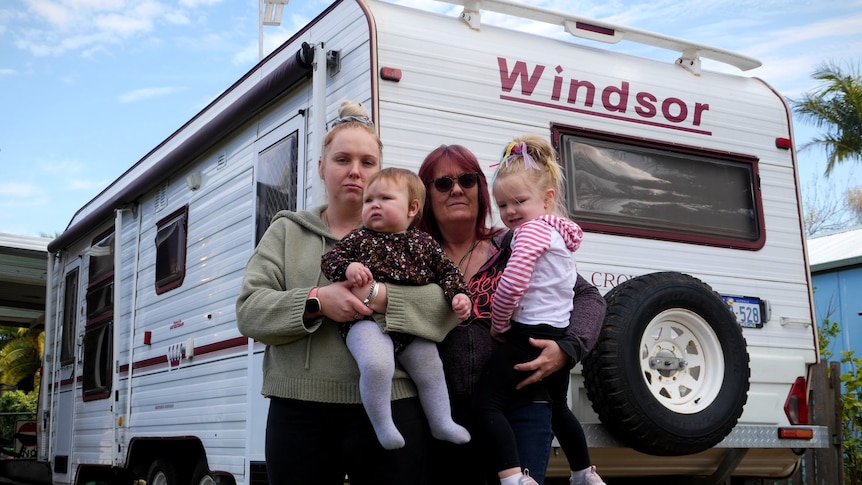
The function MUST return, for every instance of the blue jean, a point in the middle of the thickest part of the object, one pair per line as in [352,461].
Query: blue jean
[531,424]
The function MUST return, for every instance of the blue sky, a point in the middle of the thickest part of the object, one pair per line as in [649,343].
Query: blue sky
[89,87]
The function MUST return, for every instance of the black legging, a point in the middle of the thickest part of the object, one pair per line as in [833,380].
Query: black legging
[317,443]
[566,426]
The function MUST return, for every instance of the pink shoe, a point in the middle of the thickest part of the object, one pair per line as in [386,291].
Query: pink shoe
[589,478]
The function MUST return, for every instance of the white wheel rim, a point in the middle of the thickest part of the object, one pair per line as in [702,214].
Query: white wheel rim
[206,480]
[159,479]
[681,339]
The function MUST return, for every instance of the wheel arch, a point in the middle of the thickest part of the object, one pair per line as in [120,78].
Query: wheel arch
[184,452]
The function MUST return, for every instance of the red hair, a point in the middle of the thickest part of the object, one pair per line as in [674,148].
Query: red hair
[461,160]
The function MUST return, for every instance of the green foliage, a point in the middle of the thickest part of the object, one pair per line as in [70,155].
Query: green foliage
[16,402]
[851,414]
[20,356]
[851,403]
[826,333]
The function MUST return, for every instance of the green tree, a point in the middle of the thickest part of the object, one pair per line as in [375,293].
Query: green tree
[20,356]
[851,402]
[15,402]
[836,107]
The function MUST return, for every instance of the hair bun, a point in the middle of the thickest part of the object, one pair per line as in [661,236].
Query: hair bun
[352,108]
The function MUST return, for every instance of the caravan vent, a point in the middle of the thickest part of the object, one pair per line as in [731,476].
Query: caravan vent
[161,200]
[221,161]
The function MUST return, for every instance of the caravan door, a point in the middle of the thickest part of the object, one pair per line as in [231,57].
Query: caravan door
[64,385]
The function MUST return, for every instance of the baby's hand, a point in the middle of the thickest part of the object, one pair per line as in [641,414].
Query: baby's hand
[358,275]
[461,306]
[498,336]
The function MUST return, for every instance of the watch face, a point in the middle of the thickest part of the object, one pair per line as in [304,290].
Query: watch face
[312,305]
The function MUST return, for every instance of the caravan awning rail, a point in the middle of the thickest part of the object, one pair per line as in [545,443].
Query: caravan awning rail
[602,31]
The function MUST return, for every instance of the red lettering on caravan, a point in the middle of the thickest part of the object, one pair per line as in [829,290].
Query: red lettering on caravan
[590,88]
[622,95]
[558,84]
[646,106]
[699,108]
[619,101]
[682,110]
[528,83]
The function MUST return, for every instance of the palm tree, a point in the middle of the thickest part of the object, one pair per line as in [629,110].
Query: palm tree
[20,356]
[837,107]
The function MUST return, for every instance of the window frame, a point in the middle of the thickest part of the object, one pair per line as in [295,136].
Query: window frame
[70,316]
[587,220]
[288,172]
[178,218]
[99,323]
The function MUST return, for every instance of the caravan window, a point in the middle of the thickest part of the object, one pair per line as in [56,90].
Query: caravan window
[276,180]
[171,241]
[99,332]
[98,353]
[640,188]
[101,258]
[70,317]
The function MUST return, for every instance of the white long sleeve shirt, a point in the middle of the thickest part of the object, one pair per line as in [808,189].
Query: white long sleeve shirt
[538,283]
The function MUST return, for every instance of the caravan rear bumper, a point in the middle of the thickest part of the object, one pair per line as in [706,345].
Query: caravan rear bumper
[765,455]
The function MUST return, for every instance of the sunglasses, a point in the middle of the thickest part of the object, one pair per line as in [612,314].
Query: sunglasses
[465,180]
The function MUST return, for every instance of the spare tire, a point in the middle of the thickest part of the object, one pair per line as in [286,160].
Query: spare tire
[669,374]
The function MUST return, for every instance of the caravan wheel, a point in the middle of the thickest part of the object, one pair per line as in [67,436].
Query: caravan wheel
[163,472]
[669,375]
[201,475]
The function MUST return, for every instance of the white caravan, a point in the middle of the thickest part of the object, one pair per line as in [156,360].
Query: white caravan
[683,179]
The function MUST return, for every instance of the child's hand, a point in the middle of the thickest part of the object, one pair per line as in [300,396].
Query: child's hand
[358,275]
[461,306]
[498,336]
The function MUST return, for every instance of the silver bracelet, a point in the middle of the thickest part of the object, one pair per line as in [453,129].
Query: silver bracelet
[372,294]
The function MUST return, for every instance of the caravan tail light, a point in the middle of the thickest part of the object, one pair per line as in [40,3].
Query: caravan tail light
[390,74]
[796,406]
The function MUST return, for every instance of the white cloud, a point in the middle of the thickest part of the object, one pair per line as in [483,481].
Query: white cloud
[96,4]
[124,25]
[78,25]
[86,184]
[148,93]
[8,72]
[62,167]
[54,13]
[198,3]
[14,189]
[177,17]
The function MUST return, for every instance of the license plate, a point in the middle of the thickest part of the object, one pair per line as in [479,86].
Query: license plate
[746,309]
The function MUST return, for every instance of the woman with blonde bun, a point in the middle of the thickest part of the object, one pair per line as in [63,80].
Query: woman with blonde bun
[317,430]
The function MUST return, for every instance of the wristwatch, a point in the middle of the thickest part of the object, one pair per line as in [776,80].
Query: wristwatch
[312,304]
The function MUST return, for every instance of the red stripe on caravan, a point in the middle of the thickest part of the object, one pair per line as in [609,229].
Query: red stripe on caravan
[203,349]
[603,115]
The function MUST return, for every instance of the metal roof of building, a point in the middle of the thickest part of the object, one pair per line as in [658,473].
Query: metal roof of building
[835,250]
[23,278]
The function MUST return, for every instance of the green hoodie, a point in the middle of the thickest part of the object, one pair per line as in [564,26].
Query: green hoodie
[309,360]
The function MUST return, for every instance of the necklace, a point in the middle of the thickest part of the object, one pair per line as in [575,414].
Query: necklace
[468,256]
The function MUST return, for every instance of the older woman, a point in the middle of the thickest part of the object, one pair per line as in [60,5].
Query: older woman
[317,431]
[457,211]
